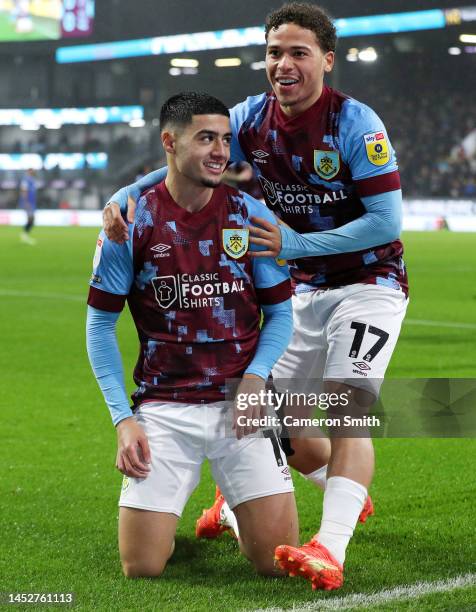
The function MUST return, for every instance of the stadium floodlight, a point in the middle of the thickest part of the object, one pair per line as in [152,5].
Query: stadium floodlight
[53,124]
[258,65]
[28,117]
[63,161]
[175,71]
[227,62]
[368,55]
[30,126]
[468,38]
[182,62]
[454,51]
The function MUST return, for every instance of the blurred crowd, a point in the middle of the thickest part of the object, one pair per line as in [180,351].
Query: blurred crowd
[432,138]
[435,141]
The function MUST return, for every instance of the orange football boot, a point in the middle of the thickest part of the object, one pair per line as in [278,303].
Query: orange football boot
[367,510]
[210,524]
[311,561]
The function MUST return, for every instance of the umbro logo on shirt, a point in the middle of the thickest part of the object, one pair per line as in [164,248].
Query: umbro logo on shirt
[259,156]
[161,250]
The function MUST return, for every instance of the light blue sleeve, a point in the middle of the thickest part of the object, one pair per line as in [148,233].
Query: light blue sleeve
[272,283]
[247,111]
[267,272]
[359,126]
[105,359]
[135,189]
[113,269]
[379,225]
[274,338]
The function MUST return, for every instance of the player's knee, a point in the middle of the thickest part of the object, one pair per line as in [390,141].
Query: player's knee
[138,568]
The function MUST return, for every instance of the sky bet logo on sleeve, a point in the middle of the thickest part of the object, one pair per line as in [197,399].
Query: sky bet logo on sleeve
[235,242]
[376,146]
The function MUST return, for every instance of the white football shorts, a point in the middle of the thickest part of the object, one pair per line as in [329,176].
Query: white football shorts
[340,334]
[181,437]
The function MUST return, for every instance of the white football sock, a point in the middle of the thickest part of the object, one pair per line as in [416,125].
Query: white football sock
[228,518]
[343,502]
[318,477]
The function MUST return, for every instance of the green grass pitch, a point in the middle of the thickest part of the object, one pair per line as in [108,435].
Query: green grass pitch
[59,488]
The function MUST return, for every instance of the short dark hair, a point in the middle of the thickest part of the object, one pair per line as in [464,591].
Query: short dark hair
[181,108]
[308,16]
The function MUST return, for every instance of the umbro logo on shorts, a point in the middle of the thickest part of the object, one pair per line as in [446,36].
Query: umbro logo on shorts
[363,368]
[287,473]
[361,365]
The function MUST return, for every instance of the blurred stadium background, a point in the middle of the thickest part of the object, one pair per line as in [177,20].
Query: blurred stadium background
[82,84]
[415,66]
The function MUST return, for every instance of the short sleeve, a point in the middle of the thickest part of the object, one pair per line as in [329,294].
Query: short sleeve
[246,112]
[112,274]
[366,149]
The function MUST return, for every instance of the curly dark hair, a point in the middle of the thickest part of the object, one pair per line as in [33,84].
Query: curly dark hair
[308,16]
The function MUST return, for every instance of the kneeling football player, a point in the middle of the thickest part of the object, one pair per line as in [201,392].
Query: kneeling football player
[195,295]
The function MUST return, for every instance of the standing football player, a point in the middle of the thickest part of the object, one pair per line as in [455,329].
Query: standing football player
[195,295]
[27,201]
[328,171]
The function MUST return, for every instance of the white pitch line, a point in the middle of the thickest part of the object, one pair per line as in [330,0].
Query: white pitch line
[44,296]
[430,323]
[400,593]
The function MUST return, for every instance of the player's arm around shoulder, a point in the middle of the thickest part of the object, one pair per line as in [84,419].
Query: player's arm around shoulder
[123,202]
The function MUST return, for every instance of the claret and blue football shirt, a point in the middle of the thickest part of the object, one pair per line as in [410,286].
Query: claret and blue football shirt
[193,290]
[315,170]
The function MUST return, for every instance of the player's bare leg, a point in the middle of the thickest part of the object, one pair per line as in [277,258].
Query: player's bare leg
[258,538]
[146,541]
[311,457]
[349,475]
[310,454]
[352,458]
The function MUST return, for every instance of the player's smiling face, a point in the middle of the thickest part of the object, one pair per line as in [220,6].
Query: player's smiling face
[295,65]
[203,149]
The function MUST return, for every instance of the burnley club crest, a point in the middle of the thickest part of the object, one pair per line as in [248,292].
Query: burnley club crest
[235,242]
[326,163]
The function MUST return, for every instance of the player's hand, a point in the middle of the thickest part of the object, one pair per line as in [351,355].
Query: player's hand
[133,453]
[114,226]
[251,385]
[268,235]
